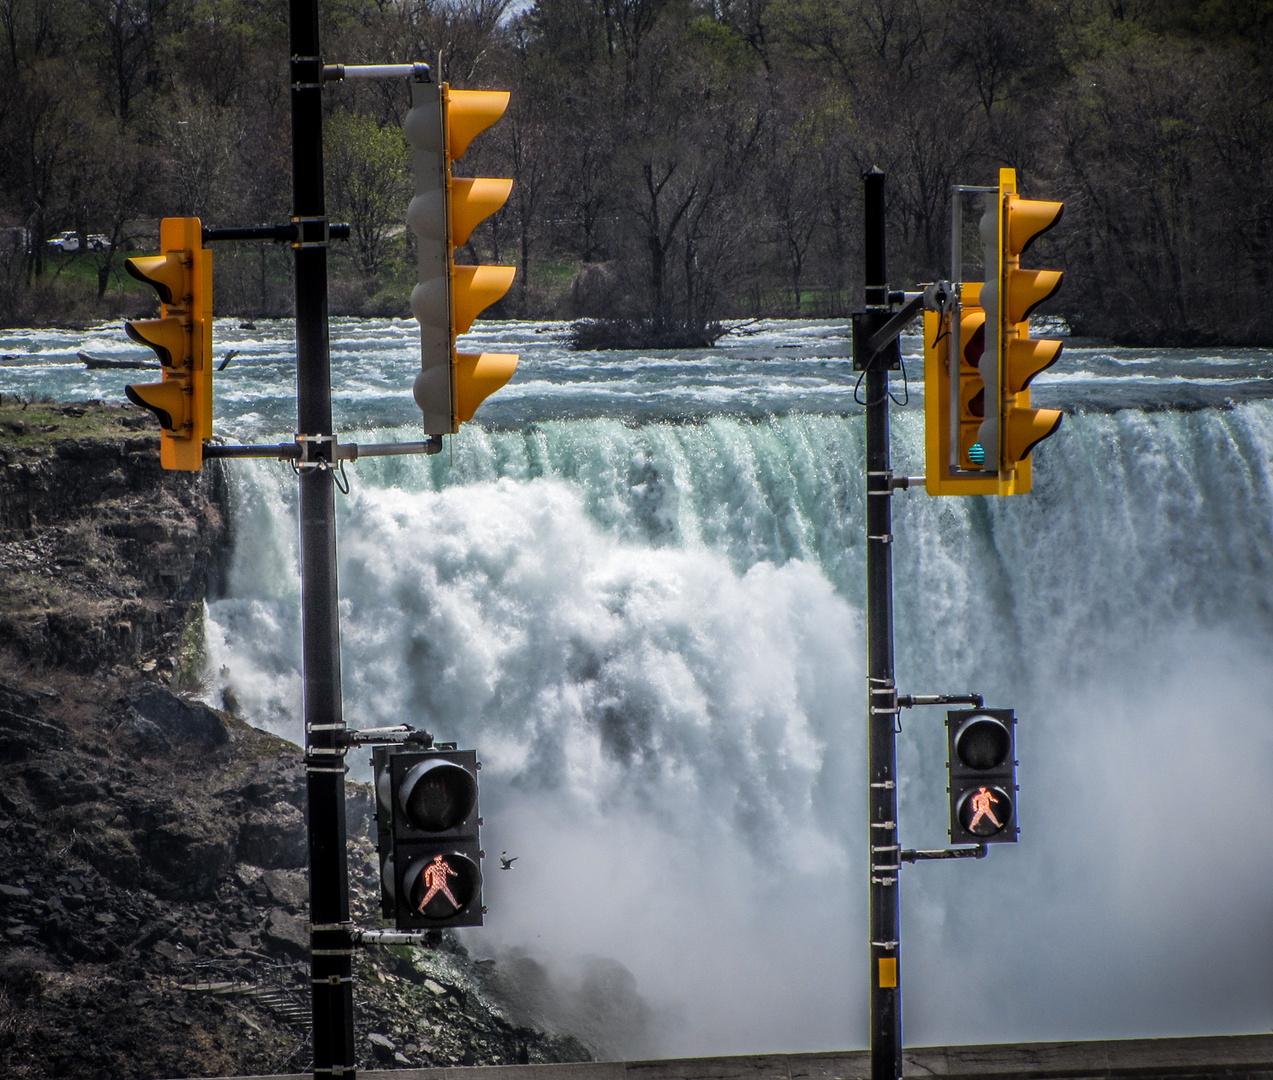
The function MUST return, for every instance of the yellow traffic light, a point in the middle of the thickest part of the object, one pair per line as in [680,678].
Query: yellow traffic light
[958,469]
[1013,428]
[447,298]
[979,424]
[182,339]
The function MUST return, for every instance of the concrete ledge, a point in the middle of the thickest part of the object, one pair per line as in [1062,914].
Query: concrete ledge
[1238,1057]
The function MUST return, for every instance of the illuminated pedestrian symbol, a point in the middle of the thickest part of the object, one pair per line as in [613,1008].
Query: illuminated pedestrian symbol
[981,803]
[435,875]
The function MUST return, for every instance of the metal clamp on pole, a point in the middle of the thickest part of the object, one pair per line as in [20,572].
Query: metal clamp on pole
[331,762]
[309,458]
[890,483]
[312,231]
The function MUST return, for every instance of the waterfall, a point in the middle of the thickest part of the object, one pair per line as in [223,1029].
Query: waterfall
[652,632]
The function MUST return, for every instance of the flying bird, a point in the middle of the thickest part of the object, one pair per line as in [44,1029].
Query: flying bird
[505,863]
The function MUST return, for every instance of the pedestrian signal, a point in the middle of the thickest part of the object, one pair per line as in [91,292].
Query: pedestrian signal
[427,832]
[983,770]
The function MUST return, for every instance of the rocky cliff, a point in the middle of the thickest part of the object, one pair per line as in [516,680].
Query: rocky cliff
[153,895]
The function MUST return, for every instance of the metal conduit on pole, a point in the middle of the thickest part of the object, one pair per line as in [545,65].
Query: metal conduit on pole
[331,941]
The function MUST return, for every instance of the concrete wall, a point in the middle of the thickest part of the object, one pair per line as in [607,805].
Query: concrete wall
[1239,1057]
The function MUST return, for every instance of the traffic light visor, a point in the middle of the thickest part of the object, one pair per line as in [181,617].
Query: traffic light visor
[1026,358]
[972,336]
[1026,290]
[162,273]
[1028,219]
[477,376]
[474,289]
[982,743]
[1026,427]
[437,795]
[473,200]
[167,400]
[469,113]
[170,338]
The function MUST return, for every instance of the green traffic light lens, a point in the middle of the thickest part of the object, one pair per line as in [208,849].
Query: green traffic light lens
[983,743]
[977,454]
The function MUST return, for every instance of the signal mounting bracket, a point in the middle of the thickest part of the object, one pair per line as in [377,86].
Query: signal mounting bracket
[910,700]
[978,852]
[396,735]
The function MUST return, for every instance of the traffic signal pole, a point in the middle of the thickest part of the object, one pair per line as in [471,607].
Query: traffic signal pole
[331,937]
[885,851]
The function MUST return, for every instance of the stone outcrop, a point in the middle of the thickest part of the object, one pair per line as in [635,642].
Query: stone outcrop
[153,893]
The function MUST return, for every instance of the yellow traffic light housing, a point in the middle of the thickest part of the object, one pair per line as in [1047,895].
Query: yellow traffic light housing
[447,298]
[980,426]
[1014,428]
[182,339]
[955,399]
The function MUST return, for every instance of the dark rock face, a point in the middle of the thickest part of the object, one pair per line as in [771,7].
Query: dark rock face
[105,552]
[153,888]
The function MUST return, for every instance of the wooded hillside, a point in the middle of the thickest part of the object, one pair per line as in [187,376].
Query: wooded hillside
[676,161]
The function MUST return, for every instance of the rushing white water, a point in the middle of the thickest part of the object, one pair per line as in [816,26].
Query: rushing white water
[639,593]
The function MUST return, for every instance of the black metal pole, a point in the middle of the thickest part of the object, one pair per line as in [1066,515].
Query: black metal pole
[886,994]
[331,940]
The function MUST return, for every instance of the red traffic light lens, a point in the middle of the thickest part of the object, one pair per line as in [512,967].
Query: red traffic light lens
[982,743]
[437,795]
[441,885]
[985,811]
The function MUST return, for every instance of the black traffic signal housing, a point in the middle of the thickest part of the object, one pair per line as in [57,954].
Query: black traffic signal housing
[427,835]
[983,776]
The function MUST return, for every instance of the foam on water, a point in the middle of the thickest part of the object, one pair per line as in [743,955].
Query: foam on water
[653,635]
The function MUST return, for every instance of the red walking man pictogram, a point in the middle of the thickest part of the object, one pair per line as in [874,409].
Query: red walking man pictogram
[435,875]
[981,803]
